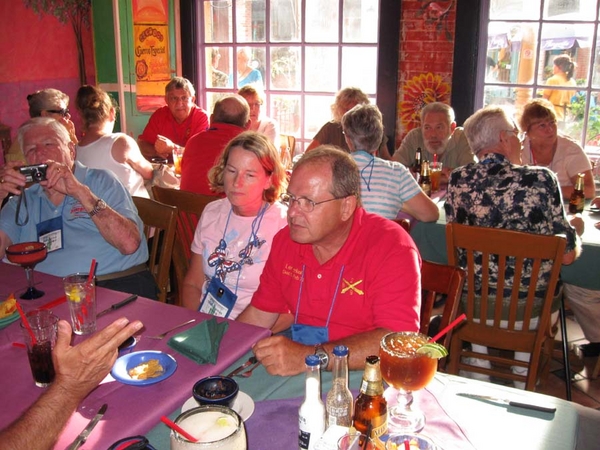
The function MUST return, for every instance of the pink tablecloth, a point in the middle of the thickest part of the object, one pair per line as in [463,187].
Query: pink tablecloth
[131,409]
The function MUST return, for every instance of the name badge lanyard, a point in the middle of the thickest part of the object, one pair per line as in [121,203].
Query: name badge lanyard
[219,299]
[50,231]
[310,334]
[370,165]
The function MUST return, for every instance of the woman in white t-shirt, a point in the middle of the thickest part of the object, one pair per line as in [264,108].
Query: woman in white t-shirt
[100,148]
[234,235]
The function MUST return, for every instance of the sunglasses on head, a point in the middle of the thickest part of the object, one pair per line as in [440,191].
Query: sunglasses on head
[63,112]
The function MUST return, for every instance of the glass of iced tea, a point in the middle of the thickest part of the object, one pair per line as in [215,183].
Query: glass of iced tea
[407,368]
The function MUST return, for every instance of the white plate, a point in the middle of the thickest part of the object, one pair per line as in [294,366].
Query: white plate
[243,405]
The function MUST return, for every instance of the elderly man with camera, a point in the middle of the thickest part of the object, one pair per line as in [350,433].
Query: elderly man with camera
[78,212]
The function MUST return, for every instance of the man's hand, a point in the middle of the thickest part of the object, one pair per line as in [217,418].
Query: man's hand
[577,222]
[163,146]
[81,368]
[61,178]
[282,356]
[11,180]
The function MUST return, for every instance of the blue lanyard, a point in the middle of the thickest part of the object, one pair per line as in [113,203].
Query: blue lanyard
[370,165]
[337,287]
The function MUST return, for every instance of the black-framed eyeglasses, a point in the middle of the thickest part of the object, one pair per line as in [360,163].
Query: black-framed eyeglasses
[63,112]
[305,204]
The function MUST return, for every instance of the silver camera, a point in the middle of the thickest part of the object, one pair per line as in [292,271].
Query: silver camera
[34,173]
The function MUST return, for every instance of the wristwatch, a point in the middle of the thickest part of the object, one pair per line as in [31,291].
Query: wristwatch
[323,356]
[99,206]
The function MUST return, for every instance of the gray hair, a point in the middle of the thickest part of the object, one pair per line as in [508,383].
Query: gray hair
[438,107]
[483,128]
[180,83]
[48,122]
[45,100]
[363,125]
[345,175]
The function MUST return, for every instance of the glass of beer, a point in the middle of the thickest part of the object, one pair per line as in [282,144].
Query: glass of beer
[177,157]
[406,369]
[435,175]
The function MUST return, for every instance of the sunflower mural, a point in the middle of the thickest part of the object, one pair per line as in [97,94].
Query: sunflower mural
[417,92]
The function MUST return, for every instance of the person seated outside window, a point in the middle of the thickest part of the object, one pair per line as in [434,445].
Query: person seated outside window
[246,74]
[498,192]
[259,122]
[437,135]
[544,146]
[335,269]
[100,148]
[386,187]
[173,124]
[563,70]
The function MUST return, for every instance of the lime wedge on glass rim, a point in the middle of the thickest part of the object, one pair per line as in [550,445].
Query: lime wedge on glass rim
[433,350]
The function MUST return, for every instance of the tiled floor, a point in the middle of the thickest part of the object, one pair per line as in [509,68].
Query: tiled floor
[585,390]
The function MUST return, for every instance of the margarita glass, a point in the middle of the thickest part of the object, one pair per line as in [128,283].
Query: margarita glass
[27,255]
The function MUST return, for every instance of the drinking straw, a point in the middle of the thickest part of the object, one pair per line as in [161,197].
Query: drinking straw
[449,327]
[406,444]
[19,345]
[92,270]
[26,323]
[168,422]
[369,431]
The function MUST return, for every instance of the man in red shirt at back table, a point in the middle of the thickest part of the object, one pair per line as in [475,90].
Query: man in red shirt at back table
[173,124]
[230,117]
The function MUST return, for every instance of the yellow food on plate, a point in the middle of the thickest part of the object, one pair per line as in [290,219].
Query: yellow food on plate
[8,307]
[145,370]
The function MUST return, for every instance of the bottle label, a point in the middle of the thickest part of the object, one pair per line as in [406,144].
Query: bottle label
[303,439]
[340,415]
[379,426]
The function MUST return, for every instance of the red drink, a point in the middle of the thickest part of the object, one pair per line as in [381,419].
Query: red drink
[26,253]
[40,360]
[402,367]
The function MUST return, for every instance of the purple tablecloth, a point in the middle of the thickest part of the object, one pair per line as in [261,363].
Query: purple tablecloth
[131,409]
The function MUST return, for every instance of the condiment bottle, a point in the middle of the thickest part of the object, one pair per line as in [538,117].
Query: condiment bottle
[339,403]
[577,199]
[417,164]
[311,417]
[425,180]
[370,409]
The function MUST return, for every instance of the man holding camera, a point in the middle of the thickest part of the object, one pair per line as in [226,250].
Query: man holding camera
[79,213]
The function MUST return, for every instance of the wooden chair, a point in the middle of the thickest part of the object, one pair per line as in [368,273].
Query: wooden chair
[160,222]
[511,248]
[189,209]
[404,223]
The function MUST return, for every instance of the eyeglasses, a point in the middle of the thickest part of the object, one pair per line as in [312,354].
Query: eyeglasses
[544,125]
[63,112]
[305,204]
[184,99]
[255,105]
[519,134]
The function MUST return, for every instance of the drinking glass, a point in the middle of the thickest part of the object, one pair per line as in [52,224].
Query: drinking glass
[27,255]
[405,370]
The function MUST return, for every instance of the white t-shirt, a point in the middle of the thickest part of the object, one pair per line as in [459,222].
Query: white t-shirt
[209,232]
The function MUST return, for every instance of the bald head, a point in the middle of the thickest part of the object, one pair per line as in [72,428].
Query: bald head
[232,109]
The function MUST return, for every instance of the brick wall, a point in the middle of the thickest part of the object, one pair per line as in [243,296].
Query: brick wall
[426,59]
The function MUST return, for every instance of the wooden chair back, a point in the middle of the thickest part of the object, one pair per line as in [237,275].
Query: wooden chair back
[160,222]
[501,331]
[404,223]
[189,209]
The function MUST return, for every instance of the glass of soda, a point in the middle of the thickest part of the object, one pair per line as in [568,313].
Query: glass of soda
[40,338]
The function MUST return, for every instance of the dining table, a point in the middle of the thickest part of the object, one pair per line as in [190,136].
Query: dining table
[132,409]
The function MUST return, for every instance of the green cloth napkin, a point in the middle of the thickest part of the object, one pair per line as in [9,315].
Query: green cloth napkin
[201,343]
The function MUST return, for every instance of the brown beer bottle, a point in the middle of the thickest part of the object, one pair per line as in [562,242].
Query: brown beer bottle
[370,408]
[417,164]
[577,199]
[425,180]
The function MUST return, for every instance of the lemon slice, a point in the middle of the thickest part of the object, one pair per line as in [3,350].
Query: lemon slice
[433,350]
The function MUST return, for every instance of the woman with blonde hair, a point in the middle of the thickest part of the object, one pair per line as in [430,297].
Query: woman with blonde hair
[234,235]
[100,148]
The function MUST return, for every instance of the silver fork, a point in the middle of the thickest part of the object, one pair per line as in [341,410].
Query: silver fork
[248,373]
[162,335]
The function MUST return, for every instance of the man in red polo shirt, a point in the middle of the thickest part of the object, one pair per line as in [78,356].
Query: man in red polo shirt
[173,124]
[346,276]
[230,117]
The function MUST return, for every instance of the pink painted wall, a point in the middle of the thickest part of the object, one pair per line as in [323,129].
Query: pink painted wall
[36,53]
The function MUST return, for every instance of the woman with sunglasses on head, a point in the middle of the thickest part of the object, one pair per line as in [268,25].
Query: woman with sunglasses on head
[544,146]
[45,103]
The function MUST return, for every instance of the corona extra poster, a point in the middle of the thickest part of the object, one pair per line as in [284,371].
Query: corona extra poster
[151,52]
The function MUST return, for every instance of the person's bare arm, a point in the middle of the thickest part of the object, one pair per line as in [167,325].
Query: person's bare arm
[422,208]
[125,150]
[164,146]
[78,369]
[192,283]
[147,149]
[255,316]
[282,356]
[117,230]
[5,241]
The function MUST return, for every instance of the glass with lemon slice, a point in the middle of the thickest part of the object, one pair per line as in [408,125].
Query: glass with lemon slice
[81,297]
[408,363]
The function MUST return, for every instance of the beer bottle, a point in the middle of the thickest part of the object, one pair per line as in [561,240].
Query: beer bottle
[417,164]
[339,401]
[425,180]
[370,408]
[577,197]
[311,417]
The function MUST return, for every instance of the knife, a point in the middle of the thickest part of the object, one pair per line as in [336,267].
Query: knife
[128,300]
[251,360]
[80,440]
[503,401]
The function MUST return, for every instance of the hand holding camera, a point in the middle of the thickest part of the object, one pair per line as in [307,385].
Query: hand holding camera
[34,173]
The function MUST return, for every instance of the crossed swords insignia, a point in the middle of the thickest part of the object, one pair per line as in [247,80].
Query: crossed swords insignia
[352,287]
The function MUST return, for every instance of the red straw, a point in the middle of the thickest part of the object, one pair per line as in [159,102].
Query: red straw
[26,323]
[92,270]
[168,422]
[449,327]
[406,444]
